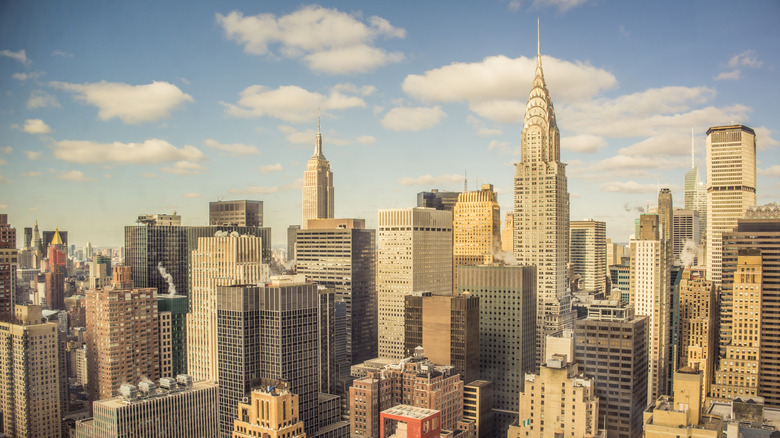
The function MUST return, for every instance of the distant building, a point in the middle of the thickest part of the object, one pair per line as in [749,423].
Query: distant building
[698,325]
[242,213]
[414,253]
[557,399]
[48,237]
[123,336]
[731,189]
[292,235]
[177,408]
[317,186]
[447,328]
[681,415]
[588,253]
[271,413]
[30,373]
[611,347]
[438,200]
[507,330]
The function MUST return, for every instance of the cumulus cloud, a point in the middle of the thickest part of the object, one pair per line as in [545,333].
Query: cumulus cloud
[62,53]
[365,139]
[184,168]
[326,40]
[729,76]
[412,118]
[481,128]
[36,126]
[293,135]
[632,187]
[27,76]
[429,180]
[233,149]
[193,195]
[670,143]
[20,56]
[149,175]
[148,152]
[497,87]
[261,190]
[3,162]
[583,143]
[268,168]
[764,138]
[42,99]
[74,175]
[292,103]
[6,149]
[771,171]
[33,155]
[130,103]
[748,58]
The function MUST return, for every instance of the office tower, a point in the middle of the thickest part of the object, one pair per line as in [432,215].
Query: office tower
[173,334]
[759,230]
[317,185]
[27,235]
[698,325]
[478,406]
[476,226]
[99,271]
[218,261]
[739,369]
[687,236]
[696,191]
[507,330]
[292,234]
[123,336]
[651,296]
[413,381]
[177,408]
[414,253]
[341,254]
[542,211]
[681,415]
[332,360]
[30,403]
[447,328]
[731,189]
[9,262]
[611,347]
[157,254]
[438,200]
[557,399]
[588,253]
[271,413]
[507,242]
[55,288]
[666,218]
[242,213]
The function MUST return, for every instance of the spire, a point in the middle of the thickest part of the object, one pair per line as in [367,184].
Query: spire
[538,44]
[56,240]
[318,143]
[693,149]
[465,183]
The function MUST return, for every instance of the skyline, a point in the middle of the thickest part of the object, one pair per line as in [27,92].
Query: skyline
[226,108]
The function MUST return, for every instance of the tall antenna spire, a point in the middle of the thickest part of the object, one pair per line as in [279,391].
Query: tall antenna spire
[693,149]
[465,182]
[538,41]
[318,143]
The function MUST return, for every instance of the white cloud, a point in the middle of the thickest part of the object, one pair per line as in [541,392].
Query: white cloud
[630,187]
[504,147]
[107,176]
[6,149]
[562,5]
[74,175]
[150,151]
[293,135]
[192,195]
[412,118]
[130,103]
[670,143]
[42,99]
[149,175]
[184,168]
[268,168]
[365,139]
[3,179]
[3,162]
[295,185]
[20,56]
[583,143]
[515,5]
[233,149]
[747,58]
[429,180]
[291,103]
[27,76]
[771,171]
[33,155]
[481,128]
[497,87]
[62,54]
[764,138]
[36,126]
[327,40]
[729,76]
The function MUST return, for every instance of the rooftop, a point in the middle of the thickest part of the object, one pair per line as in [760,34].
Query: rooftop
[410,412]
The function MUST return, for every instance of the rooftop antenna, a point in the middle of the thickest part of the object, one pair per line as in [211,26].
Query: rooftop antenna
[465,182]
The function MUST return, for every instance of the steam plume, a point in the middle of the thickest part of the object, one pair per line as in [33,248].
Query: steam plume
[168,277]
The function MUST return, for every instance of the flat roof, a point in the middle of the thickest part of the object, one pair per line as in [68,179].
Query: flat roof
[410,412]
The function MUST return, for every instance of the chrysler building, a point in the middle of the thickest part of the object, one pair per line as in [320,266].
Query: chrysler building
[317,185]
[541,216]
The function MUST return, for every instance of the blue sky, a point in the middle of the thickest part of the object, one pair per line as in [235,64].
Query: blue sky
[114,109]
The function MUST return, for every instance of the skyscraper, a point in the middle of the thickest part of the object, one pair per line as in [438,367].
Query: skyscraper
[438,199]
[341,254]
[696,191]
[588,253]
[698,325]
[686,233]
[317,185]
[731,173]
[152,247]
[8,265]
[476,226]
[270,414]
[29,376]
[242,213]
[218,261]
[414,253]
[542,210]
[173,334]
